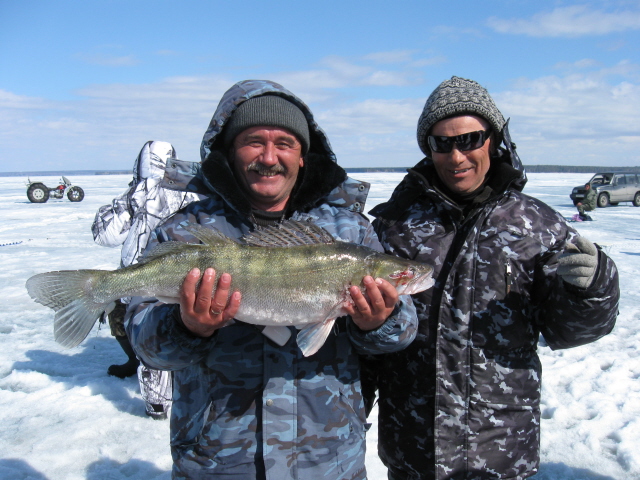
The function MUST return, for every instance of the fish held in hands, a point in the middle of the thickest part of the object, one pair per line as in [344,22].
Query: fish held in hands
[293,274]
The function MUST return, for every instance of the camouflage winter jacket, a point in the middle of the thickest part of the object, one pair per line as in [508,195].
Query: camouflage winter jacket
[244,407]
[131,217]
[462,401]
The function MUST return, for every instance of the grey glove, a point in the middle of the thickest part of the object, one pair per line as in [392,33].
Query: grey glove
[579,262]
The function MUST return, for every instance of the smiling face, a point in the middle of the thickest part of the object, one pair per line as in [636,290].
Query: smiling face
[462,172]
[266,161]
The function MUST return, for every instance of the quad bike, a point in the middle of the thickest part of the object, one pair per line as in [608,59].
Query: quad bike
[39,193]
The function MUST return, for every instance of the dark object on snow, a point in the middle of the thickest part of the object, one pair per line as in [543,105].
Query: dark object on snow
[38,192]
[128,369]
[157,411]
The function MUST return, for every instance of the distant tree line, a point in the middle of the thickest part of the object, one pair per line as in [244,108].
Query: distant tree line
[529,169]
[578,169]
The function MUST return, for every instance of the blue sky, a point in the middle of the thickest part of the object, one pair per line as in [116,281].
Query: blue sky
[83,84]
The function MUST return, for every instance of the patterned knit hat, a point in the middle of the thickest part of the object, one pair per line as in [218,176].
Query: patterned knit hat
[457,96]
[270,111]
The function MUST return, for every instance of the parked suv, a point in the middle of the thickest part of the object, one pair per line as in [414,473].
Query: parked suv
[611,188]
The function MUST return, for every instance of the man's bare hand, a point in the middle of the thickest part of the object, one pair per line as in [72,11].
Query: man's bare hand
[370,311]
[204,310]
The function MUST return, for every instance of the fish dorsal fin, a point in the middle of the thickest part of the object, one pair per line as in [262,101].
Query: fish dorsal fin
[208,236]
[289,233]
[160,250]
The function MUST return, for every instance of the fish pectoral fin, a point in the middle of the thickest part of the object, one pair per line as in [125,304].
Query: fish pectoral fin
[312,337]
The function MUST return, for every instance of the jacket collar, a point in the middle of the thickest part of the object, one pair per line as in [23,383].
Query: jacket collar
[422,179]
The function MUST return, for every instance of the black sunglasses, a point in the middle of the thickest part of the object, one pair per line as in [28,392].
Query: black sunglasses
[464,142]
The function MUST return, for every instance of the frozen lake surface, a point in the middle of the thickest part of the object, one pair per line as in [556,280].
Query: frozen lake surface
[62,417]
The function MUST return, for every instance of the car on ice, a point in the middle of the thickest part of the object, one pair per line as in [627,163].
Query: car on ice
[611,188]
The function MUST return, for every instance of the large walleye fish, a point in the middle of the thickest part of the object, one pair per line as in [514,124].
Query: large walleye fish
[294,274]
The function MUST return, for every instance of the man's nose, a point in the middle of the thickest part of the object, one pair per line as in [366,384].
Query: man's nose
[456,155]
[270,154]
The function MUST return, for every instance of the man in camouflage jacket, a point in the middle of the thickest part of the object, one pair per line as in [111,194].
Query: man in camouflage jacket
[245,407]
[462,401]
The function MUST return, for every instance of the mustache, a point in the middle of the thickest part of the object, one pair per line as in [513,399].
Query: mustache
[266,171]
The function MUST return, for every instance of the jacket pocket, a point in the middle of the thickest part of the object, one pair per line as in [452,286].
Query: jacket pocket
[504,413]
[509,377]
[503,439]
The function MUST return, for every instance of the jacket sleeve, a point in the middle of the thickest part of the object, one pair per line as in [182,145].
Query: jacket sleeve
[395,334]
[112,222]
[398,331]
[573,316]
[159,337]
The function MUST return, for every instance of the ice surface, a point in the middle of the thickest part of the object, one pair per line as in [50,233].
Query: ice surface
[62,417]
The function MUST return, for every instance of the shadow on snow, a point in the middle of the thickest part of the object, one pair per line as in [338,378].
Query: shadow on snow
[86,366]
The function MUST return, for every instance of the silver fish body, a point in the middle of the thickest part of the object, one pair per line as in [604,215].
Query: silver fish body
[294,275]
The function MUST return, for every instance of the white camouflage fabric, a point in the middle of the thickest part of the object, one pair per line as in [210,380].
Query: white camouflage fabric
[463,400]
[128,222]
[244,407]
[131,217]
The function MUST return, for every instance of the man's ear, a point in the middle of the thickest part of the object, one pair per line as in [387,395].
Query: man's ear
[301,162]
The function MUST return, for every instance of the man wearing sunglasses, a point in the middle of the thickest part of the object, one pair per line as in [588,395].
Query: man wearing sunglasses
[463,400]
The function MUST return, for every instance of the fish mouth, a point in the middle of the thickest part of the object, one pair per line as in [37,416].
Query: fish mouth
[418,284]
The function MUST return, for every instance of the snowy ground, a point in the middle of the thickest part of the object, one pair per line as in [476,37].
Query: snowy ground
[62,417]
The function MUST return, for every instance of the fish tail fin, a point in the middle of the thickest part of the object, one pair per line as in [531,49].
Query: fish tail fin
[66,293]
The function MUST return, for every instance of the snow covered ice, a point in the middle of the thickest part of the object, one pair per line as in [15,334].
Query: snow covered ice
[62,417]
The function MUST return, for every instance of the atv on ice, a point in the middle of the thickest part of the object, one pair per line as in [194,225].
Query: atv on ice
[38,192]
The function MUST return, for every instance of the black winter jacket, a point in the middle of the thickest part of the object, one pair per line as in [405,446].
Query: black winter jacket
[462,401]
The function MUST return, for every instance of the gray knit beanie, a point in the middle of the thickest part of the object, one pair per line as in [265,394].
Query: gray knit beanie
[457,96]
[269,111]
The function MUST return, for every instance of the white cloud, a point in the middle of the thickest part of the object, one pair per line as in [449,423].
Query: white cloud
[580,118]
[371,117]
[109,60]
[571,21]
[13,101]
[383,78]
[397,56]
[585,114]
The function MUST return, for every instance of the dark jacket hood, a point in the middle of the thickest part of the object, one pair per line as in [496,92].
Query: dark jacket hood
[243,91]
[320,176]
